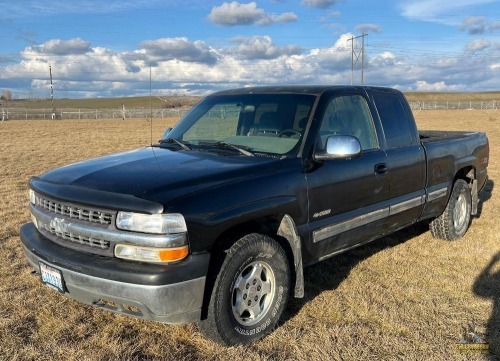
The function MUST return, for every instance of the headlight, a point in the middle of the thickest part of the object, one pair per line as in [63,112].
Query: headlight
[151,254]
[167,224]
[151,223]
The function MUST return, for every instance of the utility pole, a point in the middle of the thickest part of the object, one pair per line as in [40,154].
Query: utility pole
[352,58]
[356,55]
[52,94]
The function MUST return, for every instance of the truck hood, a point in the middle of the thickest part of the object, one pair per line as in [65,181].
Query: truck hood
[159,174]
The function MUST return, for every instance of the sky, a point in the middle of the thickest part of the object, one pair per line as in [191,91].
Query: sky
[118,48]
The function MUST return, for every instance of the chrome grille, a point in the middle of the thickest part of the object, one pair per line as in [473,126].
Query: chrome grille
[84,214]
[79,239]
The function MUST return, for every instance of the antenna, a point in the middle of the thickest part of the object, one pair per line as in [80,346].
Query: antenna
[150,104]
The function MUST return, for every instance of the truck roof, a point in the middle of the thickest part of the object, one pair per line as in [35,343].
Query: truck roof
[298,89]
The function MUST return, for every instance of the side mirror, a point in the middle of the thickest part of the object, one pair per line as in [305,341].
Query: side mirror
[166,132]
[339,147]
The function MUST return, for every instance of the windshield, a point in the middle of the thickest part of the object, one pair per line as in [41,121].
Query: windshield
[260,123]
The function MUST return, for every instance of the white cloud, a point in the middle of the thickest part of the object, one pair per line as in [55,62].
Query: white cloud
[440,86]
[473,25]
[368,28]
[446,63]
[288,17]
[385,58]
[477,45]
[431,10]
[262,47]
[320,4]
[183,66]
[179,49]
[337,56]
[63,47]
[235,13]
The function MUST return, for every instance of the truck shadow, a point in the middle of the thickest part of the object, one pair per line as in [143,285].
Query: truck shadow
[485,195]
[329,274]
[487,285]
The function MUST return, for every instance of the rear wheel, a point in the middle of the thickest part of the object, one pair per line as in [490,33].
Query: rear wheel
[454,221]
[250,291]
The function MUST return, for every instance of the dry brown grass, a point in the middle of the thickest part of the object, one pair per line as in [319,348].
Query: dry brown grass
[452,96]
[406,296]
[107,103]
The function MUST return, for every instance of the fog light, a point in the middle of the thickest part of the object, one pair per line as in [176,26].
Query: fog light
[151,254]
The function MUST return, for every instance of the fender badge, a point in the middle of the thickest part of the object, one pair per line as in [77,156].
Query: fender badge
[322,213]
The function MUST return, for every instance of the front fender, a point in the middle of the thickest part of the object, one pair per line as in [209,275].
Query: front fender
[242,213]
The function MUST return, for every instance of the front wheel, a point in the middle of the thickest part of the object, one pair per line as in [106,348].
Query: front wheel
[250,291]
[454,221]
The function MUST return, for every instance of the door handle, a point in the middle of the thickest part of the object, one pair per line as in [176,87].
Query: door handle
[381,168]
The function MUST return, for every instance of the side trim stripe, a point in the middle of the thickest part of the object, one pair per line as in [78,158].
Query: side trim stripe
[437,194]
[330,231]
[404,206]
[334,229]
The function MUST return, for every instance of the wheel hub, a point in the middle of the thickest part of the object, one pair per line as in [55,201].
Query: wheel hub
[253,293]
[460,212]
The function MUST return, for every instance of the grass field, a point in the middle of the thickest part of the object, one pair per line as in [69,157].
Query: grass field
[107,103]
[406,296]
[451,96]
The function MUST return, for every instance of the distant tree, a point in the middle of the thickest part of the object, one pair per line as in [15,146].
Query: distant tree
[6,95]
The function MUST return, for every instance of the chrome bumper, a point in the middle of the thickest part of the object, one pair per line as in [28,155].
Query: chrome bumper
[175,303]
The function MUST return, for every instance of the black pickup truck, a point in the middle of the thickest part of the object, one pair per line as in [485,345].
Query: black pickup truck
[216,222]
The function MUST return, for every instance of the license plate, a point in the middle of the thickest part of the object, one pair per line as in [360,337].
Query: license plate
[52,277]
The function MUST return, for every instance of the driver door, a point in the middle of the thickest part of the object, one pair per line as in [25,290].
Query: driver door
[346,196]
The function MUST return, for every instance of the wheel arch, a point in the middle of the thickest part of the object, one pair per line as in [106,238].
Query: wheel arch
[279,227]
[468,174]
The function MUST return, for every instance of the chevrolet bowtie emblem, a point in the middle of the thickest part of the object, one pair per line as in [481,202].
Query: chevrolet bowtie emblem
[58,225]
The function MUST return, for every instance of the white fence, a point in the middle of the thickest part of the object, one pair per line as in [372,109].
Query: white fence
[145,113]
[20,113]
[430,105]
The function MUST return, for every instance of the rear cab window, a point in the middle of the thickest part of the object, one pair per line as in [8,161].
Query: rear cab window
[397,128]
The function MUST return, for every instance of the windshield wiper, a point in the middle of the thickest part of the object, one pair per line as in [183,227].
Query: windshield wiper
[223,144]
[182,144]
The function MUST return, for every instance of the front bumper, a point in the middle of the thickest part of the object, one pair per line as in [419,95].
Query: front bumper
[165,293]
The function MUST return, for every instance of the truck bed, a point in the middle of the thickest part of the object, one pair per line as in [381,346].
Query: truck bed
[447,151]
[427,136]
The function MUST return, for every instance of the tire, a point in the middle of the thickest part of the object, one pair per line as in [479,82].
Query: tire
[454,221]
[250,292]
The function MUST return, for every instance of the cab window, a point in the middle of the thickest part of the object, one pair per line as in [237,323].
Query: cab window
[396,126]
